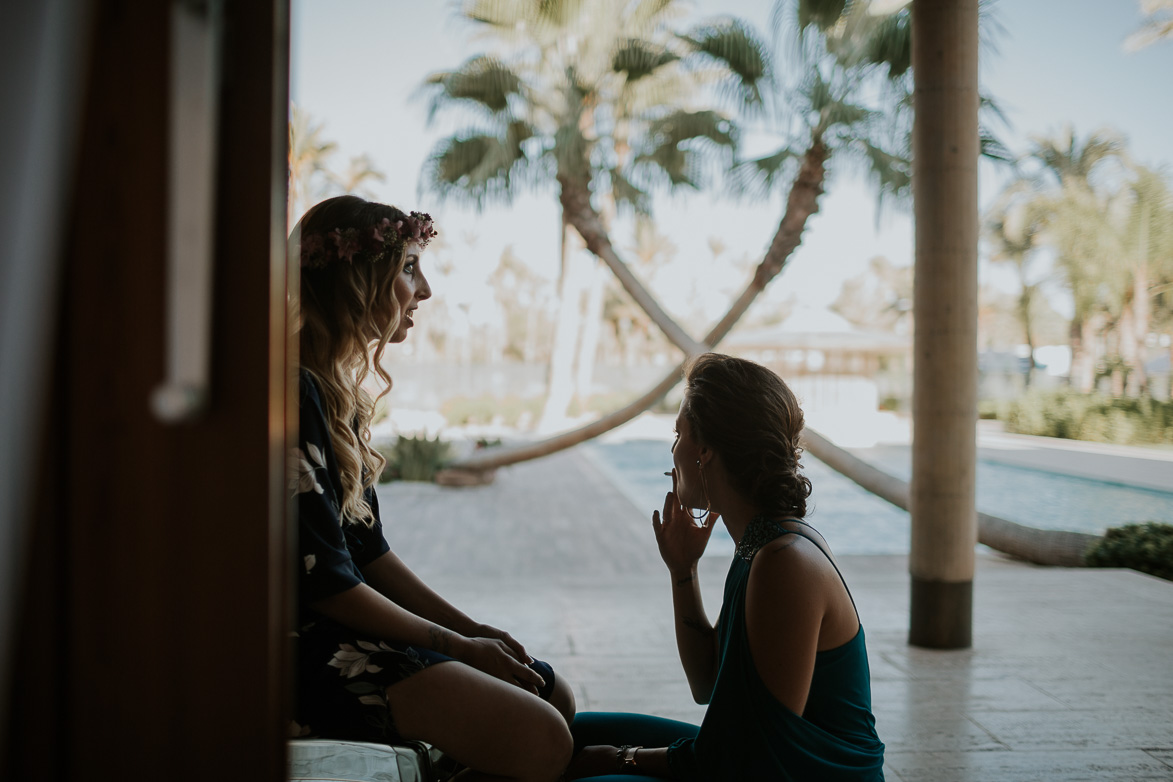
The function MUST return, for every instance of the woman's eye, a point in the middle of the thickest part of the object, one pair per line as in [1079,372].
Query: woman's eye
[409,268]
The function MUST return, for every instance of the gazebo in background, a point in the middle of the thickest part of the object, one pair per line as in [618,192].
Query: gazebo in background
[839,371]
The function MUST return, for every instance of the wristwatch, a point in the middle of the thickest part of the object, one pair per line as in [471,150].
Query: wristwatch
[626,756]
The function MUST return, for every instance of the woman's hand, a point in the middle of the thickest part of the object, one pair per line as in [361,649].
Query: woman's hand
[680,539]
[494,657]
[594,761]
[488,631]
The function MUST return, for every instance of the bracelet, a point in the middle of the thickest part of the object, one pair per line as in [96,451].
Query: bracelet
[625,756]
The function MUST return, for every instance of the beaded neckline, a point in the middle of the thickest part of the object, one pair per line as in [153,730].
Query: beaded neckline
[758,533]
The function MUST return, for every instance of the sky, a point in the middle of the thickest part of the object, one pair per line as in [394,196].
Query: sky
[357,66]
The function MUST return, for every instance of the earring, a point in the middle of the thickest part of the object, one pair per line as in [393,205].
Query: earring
[705,489]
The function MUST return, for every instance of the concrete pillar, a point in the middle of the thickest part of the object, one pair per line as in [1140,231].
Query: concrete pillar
[945,154]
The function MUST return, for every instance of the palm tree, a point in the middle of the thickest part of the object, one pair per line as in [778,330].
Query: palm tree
[308,151]
[1013,230]
[1078,225]
[849,55]
[310,176]
[610,100]
[1148,254]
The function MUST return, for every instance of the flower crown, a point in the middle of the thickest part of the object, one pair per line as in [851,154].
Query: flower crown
[319,250]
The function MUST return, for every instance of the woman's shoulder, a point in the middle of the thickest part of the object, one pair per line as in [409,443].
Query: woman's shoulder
[792,558]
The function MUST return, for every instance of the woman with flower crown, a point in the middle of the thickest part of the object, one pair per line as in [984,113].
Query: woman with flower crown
[785,671]
[380,656]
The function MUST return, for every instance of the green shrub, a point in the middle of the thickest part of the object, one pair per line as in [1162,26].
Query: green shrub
[414,458]
[1095,417]
[1145,547]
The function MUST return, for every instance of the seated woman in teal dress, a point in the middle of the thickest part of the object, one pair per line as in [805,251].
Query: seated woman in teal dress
[785,671]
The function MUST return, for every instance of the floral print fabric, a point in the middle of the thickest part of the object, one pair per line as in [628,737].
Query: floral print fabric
[342,678]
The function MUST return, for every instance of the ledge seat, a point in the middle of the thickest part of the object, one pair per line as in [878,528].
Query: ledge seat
[317,760]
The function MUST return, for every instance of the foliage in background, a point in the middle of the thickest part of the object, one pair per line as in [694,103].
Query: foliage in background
[488,409]
[311,177]
[1145,547]
[413,458]
[1108,224]
[1095,417]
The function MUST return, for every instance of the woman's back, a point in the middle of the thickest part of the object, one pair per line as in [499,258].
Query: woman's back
[834,738]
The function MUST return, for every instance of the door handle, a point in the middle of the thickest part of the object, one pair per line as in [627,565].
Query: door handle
[191,219]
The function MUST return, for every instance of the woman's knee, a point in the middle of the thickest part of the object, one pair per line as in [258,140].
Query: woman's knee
[562,699]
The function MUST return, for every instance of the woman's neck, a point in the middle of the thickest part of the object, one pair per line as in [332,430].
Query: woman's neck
[737,513]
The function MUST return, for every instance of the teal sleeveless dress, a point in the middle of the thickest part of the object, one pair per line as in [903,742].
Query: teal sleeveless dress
[748,735]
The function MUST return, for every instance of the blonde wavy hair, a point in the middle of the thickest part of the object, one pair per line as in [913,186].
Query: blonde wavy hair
[336,322]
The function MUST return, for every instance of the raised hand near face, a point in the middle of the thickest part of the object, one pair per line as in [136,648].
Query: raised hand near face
[680,538]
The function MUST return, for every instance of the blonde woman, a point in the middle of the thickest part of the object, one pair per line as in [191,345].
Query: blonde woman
[381,656]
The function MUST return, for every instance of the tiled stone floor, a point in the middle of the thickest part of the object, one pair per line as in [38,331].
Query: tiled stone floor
[1070,676]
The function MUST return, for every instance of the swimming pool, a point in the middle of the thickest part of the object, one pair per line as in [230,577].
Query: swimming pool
[855,521]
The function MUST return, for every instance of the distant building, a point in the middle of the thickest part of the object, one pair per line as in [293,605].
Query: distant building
[829,363]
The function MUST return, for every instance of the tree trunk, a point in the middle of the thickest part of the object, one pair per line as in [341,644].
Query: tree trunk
[1082,375]
[1057,548]
[592,325]
[1025,302]
[1126,384]
[800,205]
[576,205]
[946,146]
[560,376]
[1142,314]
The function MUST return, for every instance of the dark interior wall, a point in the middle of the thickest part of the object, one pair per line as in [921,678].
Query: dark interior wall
[153,641]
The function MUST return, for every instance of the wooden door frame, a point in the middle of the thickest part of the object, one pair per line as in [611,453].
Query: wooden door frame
[153,642]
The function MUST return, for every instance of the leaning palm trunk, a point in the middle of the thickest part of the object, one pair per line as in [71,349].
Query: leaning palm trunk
[800,205]
[1040,546]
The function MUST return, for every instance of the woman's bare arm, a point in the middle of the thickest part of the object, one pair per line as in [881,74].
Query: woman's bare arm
[391,577]
[682,542]
[367,612]
[696,639]
[785,605]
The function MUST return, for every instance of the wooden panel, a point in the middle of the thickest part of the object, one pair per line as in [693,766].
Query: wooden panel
[169,626]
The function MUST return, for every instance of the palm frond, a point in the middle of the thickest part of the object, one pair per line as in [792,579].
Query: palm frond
[890,44]
[627,195]
[992,147]
[501,14]
[759,177]
[891,173]
[483,80]
[645,14]
[559,13]
[823,14]
[737,48]
[846,114]
[476,168]
[637,58]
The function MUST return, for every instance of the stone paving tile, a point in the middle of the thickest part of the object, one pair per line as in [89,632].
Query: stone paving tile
[1012,693]
[1105,766]
[1071,729]
[1070,676]
[1165,756]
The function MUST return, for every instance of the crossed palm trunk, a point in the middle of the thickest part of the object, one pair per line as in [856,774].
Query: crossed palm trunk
[1043,547]
[801,203]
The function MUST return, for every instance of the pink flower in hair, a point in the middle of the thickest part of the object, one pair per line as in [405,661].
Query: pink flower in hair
[312,245]
[347,243]
[377,231]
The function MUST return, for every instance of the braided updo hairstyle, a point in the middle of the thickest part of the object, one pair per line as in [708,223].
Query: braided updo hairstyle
[752,420]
